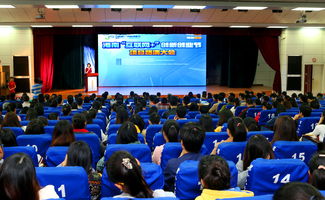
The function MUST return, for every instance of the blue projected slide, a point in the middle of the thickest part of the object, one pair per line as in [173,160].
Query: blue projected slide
[152,59]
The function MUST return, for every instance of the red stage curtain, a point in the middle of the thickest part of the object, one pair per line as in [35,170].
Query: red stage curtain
[269,47]
[43,60]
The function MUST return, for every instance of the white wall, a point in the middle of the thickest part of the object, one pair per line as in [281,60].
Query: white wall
[264,73]
[16,42]
[308,43]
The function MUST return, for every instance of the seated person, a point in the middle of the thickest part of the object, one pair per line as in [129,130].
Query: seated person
[1,153]
[317,170]
[173,101]
[305,111]
[224,115]
[249,104]
[53,116]
[79,123]
[214,175]
[297,191]
[284,129]
[66,110]
[206,123]
[8,137]
[192,138]
[154,118]
[180,112]
[126,174]
[319,131]
[35,127]
[63,134]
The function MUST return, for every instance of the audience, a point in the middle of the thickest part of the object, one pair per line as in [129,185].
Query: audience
[10,120]
[206,123]
[35,127]
[297,191]
[127,134]
[63,134]
[79,123]
[8,137]
[284,129]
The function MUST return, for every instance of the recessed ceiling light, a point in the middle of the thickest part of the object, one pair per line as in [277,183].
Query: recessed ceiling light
[189,7]
[126,6]
[61,6]
[239,26]
[313,27]
[7,6]
[249,8]
[80,26]
[308,9]
[277,27]
[117,25]
[201,26]
[41,26]
[162,25]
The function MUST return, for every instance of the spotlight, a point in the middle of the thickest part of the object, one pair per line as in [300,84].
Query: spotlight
[195,10]
[162,9]
[139,9]
[242,10]
[116,9]
[86,9]
[277,11]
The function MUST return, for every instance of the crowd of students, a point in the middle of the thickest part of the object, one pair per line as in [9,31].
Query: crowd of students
[17,173]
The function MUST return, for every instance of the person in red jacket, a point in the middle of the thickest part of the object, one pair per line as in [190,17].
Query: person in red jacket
[12,87]
[88,69]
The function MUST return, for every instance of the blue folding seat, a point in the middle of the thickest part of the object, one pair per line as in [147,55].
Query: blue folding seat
[52,122]
[224,127]
[212,137]
[317,110]
[152,173]
[265,116]
[40,142]
[306,125]
[158,140]
[193,114]
[291,114]
[297,150]
[112,138]
[49,130]
[229,106]
[268,134]
[260,197]
[198,116]
[113,128]
[93,141]
[315,114]
[252,112]
[181,122]
[161,112]
[239,109]
[8,151]
[17,130]
[293,109]
[188,183]
[220,106]
[144,112]
[140,151]
[101,123]
[68,118]
[24,123]
[150,133]
[55,155]
[95,128]
[70,183]
[22,116]
[215,122]
[232,151]
[266,176]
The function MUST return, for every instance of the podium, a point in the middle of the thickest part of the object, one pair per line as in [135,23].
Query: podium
[91,82]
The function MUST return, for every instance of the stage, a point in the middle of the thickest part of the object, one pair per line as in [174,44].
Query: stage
[177,90]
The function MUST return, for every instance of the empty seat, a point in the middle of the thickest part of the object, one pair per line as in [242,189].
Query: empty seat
[268,134]
[112,138]
[150,133]
[40,142]
[70,183]
[8,151]
[188,183]
[232,151]
[306,125]
[55,156]
[266,176]
[139,151]
[297,150]
[213,137]
[152,173]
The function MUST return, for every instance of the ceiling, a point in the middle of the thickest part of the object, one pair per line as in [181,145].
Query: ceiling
[26,10]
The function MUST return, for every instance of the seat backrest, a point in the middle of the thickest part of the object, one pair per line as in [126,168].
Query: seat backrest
[268,134]
[55,156]
[252,112]
[291,114]
[181,122]
[152,173]
[95,128]
[68,118]
[171,150]
[232,151]
[113,128]
[150,133]
[8,151]
[187,179]
[139,151]
[49,129]
[24,123]
[158,140]
[17,130]
[193,114]
[40,142]
[161,112]
[306,125]
[220,106]
[69,182]
[297,150]
[112,138]
[93,141]
[266,176]
[101,123]
[212,137]
[315,114]
[265,116]
[52,122]
[239,109]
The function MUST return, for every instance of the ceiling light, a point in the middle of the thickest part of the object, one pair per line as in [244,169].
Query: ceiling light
[5,26]
[126,6]
[122,25]
[249,8]
[61,6]
[277,27]
[7,6]
[81,26]
[239,26]
[201,26]
[189,7]
[162,25]
[308,9]
[313,27]
[41,26]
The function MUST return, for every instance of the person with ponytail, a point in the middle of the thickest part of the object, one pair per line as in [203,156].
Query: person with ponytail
[317,170]
[126,174]
[214,175]
[170,133]
[237,132]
